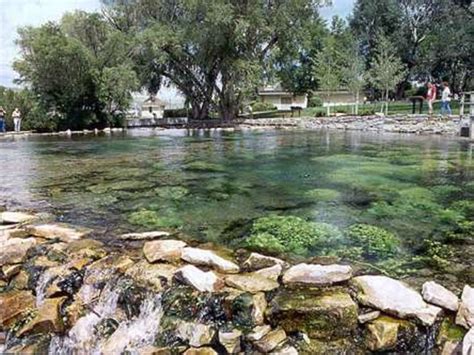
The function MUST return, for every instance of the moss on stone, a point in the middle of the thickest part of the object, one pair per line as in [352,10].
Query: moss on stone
[323,195]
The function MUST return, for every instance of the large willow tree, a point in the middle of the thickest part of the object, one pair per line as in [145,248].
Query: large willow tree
[214,51]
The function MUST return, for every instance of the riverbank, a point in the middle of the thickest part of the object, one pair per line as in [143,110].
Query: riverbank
[62,291]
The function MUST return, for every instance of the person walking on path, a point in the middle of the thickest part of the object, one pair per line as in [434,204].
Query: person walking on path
[431,97]
[446,99]
[16,115]
[2,119]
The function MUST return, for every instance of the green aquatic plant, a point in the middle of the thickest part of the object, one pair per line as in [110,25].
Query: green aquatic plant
[289,234]
[202,166]
[376,242]
[174,193]
[437,254]
[154,219]
[324,195]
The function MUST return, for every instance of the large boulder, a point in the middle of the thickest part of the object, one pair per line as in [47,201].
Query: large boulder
[62,232]
[200,280]
[144,236]
[13,251]
[394,297]
[316,275]
[440,296]
[209,258]
[468,343]
[270,341]
[465,315]
[13,305]
[47,320]
[330,314]
[252,282]
[15,217]
[258,261]
[163,250]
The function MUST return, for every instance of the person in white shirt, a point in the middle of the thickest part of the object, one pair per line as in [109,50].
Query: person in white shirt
[445,99]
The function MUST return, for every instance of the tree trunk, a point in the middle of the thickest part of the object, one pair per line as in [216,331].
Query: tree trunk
[357,104]
[386,103]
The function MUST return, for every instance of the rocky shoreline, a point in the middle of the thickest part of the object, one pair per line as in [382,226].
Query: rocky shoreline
[62,292]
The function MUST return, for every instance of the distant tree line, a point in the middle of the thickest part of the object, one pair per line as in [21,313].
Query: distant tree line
[80,72]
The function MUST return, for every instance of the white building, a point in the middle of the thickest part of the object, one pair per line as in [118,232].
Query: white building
[281,99]
[153,107]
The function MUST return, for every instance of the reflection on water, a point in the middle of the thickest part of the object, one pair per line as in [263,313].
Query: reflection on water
[203,182]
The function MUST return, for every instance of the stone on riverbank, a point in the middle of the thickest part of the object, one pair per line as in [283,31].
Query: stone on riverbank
[47,320]
[258,332]
[230,340]
[163,250]
[330,314]
[317,275]
[62,232]
[209,258]
[13,306]
[468,343]
[200,280]
[394,297]
[270,341]
[15,217]
[252,283]
[13,251]
[200,351]
[258,261]
[272,272]
[367,317]
[144,236]
[196,335]
[465,316]
[440,296]
[384,333]
[155,276]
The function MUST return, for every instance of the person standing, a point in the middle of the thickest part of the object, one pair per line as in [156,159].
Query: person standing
[446,99]
[16,115]
[431,97]
[2,119]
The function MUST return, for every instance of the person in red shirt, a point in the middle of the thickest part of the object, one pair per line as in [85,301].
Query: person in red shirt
[431,97]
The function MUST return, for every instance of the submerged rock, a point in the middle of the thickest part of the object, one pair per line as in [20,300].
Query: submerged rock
[163,250]
[394,297]
[47,320]
[13,251]
[15,217]
[144,236]
[258,261]
[317,275]
[209,258]
[13,306]
[200,280]
[270,341]
[252,283]
[465,316]
[330,314]
[62,232]
[440,296]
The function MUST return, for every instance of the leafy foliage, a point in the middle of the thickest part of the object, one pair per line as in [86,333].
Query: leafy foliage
[375,242]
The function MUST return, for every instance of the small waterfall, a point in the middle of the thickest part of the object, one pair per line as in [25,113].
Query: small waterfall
[130,335]
[43,282]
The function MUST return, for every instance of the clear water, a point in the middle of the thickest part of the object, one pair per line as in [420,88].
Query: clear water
[204,183]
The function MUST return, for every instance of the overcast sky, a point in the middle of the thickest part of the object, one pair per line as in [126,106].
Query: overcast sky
[18,13]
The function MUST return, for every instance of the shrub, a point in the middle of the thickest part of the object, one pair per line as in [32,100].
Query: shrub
[259,106]
[376,242]
[176,113]
[315,101]
[289,234]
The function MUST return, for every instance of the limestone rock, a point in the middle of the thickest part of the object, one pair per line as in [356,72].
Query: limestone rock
[382,334]
[317,275]
[163,250]
[465,315]
[322,314]
[230,341]
[246,309]
[155,276]
[468,343]
[367,317]
[270,341]
[144,236]
[258,261]
[11,270]
[20,281]
[438,295]
[200,280]
[285,350]
[13,305]
[252,283]
[451,348]
[258,332]
[259,307]
[272,272]
[209,258]
[48,319]
[62,232]
[195,333]
[15,217]
[153,350]
[200,351]
[394,297]
[13,251]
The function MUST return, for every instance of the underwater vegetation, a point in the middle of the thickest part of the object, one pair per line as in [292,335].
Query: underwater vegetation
[375,242]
